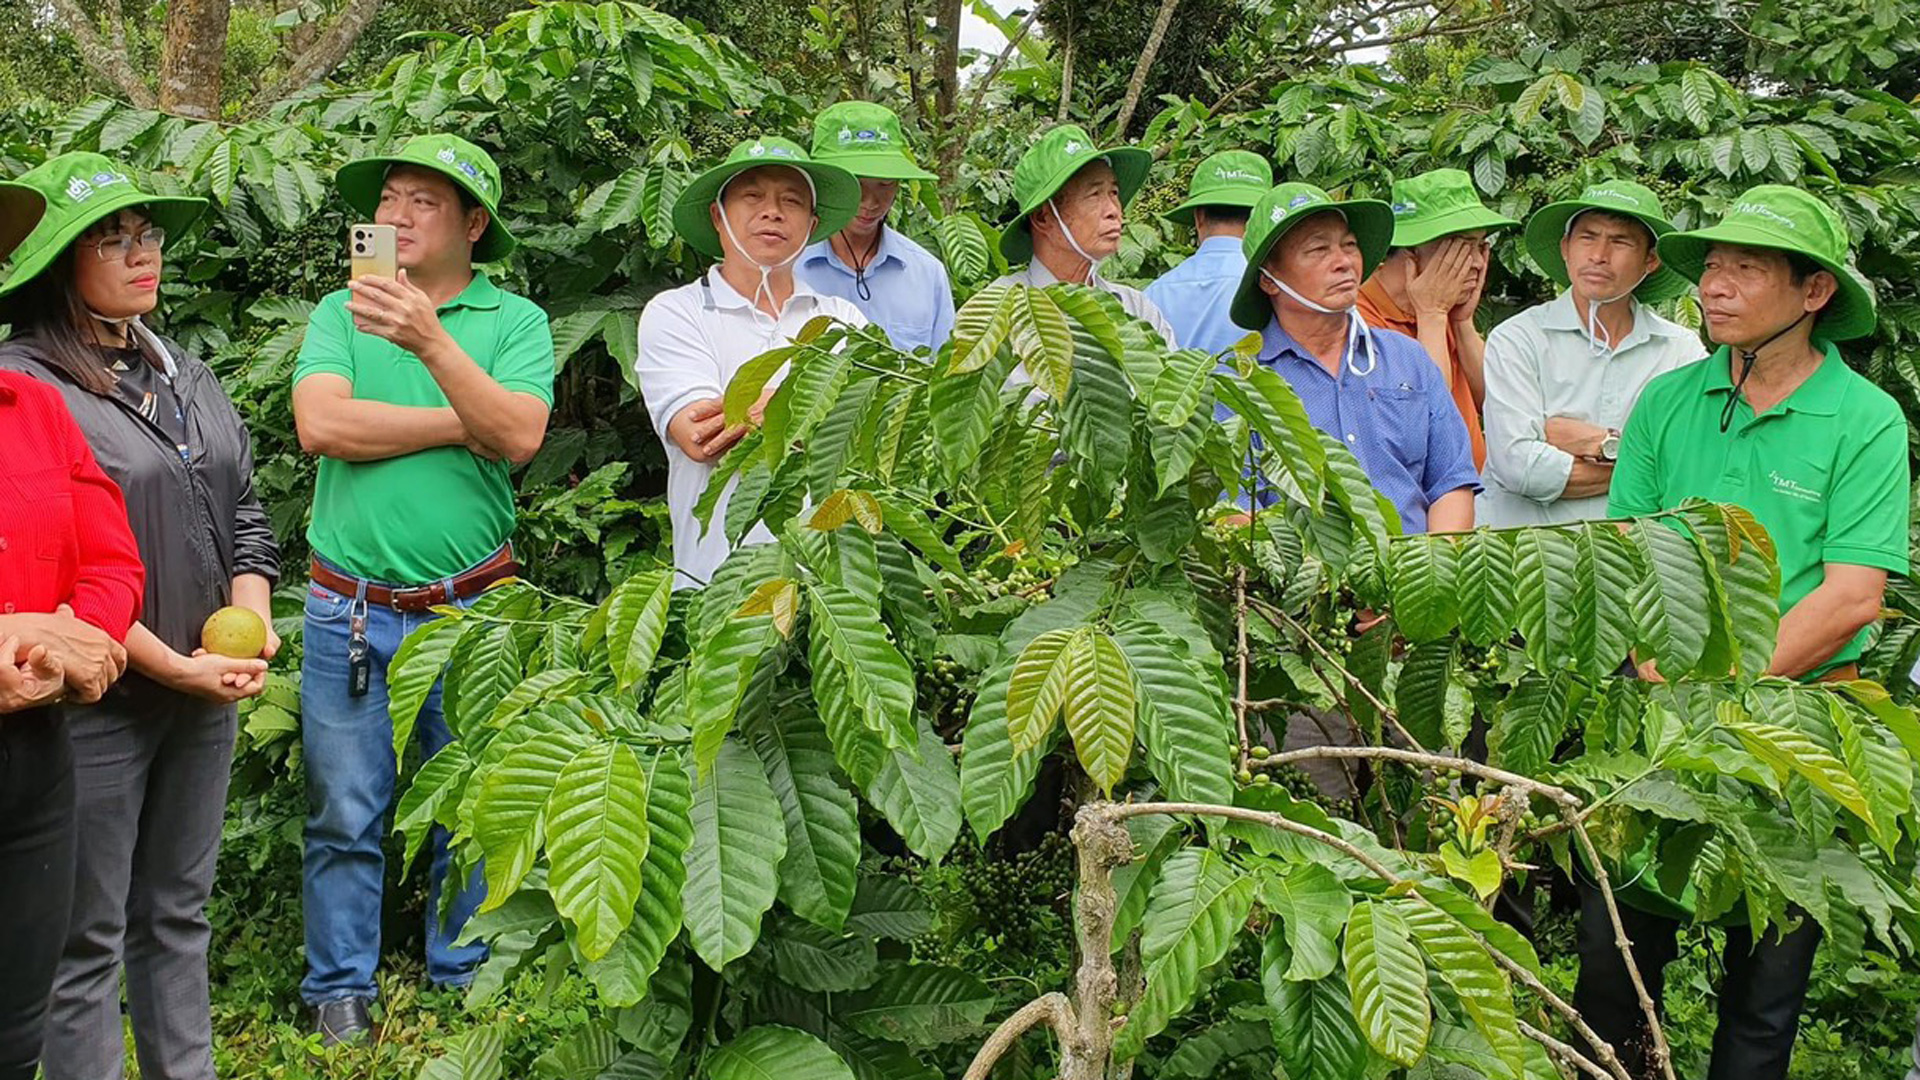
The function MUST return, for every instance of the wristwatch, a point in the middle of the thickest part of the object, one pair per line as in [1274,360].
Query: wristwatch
[1610,445]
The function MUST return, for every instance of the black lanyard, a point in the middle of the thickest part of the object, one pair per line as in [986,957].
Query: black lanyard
[1747,359]
[861,263]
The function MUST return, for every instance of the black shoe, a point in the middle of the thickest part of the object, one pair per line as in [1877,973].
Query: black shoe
[342,1021]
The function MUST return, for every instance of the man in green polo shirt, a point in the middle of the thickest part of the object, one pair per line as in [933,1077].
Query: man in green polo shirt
[1775,422]
[417,392]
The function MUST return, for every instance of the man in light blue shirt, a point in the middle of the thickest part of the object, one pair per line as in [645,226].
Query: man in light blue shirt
[899,285]
[1375,390]
[1195,295]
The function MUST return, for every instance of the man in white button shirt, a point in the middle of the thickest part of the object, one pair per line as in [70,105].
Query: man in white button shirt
[1073,196]
[754,212]
[1562,376]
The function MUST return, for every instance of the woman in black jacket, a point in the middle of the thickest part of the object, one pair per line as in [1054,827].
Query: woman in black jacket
[151,759]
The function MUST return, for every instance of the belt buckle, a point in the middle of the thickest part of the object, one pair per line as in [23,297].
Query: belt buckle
[414,601]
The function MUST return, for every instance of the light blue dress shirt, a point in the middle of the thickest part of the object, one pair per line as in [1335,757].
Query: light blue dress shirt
[908,292]
[1399,419]
[1195,295]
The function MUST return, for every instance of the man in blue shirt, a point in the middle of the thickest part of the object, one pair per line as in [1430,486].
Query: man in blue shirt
[895,282]
[1374,390]
[1195,295]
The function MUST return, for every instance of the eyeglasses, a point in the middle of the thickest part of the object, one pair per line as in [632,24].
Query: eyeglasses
[118,246]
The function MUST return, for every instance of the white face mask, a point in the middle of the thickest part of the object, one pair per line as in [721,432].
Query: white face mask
[766,270]
[1356,325]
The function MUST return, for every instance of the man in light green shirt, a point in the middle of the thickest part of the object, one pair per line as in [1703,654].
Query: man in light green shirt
[417,392]
[1562,376]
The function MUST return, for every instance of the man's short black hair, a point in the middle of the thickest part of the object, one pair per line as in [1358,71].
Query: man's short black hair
[1801,267]
[1228,215]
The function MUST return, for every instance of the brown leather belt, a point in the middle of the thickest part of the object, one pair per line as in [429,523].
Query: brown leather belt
[467,583]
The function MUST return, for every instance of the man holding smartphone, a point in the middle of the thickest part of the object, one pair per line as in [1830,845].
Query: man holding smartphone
[419,392]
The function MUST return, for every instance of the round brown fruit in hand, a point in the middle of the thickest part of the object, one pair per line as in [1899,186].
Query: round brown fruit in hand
[234,631]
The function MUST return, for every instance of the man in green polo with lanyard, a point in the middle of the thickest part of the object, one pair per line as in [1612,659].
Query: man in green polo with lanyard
[1775,422]
[418,392]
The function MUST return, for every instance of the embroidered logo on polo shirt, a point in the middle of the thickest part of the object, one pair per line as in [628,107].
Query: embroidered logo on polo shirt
[1793,489]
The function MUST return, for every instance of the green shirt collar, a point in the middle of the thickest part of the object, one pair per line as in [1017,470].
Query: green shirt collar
[481,294]
[1820,395]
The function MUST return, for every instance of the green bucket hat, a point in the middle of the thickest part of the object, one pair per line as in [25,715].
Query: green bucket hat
[1785,219]
[20,210]
[80,189]
[1228,178]
[1439,203]
[836,194]
[1047,166]
[1549,225]
[865,139]
[1279,210]
[453,157]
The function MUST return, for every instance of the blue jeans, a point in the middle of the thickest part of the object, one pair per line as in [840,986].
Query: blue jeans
[348,748]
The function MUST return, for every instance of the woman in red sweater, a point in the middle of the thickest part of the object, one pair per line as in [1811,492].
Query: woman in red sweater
[70,586]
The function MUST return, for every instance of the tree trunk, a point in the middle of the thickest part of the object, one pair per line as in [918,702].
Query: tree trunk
[946,74]
[1138,83]
[317,62]
[106,60]
[1066,80]
[195,53]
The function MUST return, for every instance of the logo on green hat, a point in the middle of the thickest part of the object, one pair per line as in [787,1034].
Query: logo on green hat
[1405,207]
[1612,195]
[80,189]
[1765,211]
[1237,174]
[1298,201]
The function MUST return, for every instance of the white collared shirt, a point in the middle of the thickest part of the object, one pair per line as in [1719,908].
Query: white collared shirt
[1541,364]
[692,341]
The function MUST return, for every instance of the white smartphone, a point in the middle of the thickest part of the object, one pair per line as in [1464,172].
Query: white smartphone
[372,251]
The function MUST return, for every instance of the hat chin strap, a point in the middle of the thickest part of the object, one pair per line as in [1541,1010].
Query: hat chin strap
[1093,265]
[765,287]
[137,334]
[1599,338]
[1356,325]
[1748,358]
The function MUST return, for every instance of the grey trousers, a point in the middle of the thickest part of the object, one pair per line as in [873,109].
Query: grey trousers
[151,770]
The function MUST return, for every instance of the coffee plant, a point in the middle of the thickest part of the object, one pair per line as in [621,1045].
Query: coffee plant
[978,576]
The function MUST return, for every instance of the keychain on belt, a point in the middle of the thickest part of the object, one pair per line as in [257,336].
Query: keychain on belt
[359,664]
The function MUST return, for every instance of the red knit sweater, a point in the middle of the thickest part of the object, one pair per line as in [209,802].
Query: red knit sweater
[64,537]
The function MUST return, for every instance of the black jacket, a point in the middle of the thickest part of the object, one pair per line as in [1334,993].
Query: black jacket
[197,521]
